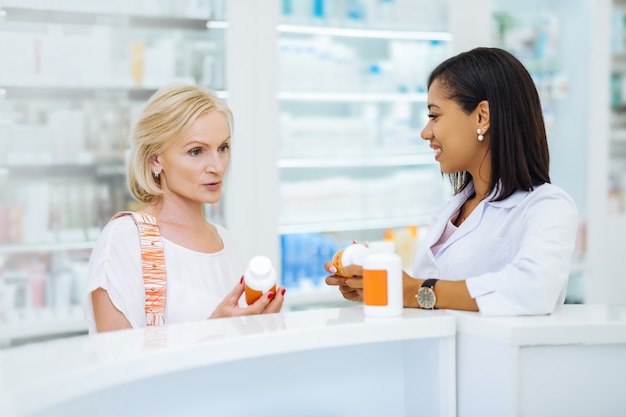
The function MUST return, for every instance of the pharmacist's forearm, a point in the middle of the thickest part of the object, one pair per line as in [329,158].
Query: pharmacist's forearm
[450,294]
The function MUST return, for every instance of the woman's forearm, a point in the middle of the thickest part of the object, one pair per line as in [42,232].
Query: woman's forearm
[452,295]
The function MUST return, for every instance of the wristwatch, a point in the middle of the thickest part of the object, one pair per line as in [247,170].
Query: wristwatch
[425,296]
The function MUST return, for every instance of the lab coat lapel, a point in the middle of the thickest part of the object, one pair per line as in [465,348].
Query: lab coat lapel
[468,225]
[437,227]
[475,218]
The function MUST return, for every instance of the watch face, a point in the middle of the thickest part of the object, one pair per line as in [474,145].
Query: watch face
[426,297]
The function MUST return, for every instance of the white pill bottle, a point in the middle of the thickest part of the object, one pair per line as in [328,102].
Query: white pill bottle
[382,281]
[259,278]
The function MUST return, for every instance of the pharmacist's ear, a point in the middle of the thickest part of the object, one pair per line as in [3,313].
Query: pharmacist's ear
[482,111]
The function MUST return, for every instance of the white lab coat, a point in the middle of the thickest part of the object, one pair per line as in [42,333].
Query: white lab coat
[515,254]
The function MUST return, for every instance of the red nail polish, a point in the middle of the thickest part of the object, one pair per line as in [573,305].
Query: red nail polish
[283,291]
[241,280]
[270,295]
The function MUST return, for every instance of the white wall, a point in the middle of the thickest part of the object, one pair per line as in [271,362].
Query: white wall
[252,67]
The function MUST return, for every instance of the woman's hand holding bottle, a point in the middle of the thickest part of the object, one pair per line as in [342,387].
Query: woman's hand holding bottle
[270,302]
[351,287]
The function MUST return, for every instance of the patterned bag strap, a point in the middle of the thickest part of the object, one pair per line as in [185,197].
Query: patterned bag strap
[152,265]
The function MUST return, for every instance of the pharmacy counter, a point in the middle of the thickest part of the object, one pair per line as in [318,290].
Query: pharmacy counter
[329,362]
[571,363]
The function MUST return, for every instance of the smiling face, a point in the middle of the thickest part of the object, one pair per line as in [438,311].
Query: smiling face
[452,134]
[193,167]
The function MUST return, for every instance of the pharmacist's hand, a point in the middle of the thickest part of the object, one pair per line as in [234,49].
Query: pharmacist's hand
[267,303]
[351,288]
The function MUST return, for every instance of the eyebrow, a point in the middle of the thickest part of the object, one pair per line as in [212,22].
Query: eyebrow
[433,105]
[198,142]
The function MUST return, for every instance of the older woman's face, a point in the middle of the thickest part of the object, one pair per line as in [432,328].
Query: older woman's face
[193,167]
[452,134]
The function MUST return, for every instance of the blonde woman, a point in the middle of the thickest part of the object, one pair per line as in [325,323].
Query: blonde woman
[180,152]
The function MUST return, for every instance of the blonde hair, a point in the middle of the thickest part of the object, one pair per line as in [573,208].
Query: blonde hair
[165,116]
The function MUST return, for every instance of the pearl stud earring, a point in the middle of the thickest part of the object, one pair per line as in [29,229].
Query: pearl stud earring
[480,136]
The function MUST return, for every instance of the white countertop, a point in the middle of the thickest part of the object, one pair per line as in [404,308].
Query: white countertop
[569,324]
[39,375]
[35,376]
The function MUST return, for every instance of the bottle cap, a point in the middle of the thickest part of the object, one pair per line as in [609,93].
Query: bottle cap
[353,254]
[382,246]
[260,267]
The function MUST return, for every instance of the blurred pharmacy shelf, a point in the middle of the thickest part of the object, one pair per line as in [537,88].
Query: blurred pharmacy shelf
[46,247]
[354,225]
[327,145]
[81,93]
[34,330]
[50,16]
[352,97]
[384,161]
[608,156]
[352,101]
[365,33]
[74,77]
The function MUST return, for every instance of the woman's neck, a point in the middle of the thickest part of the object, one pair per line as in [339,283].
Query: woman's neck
[177,211]
[481,189]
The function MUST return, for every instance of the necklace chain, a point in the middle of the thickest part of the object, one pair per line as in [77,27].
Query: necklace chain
[460,219]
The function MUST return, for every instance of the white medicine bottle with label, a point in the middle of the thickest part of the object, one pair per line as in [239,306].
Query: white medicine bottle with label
[259,278]
[382,281]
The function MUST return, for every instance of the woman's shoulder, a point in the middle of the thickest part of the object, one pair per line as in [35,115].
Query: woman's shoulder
[224,234]
[122,230]
[550,200]
[552,192]
[120,225]
[220,229]
[231,250]
[542,199]
[118,242]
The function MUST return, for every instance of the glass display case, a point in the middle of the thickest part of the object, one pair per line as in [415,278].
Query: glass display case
[74,76]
